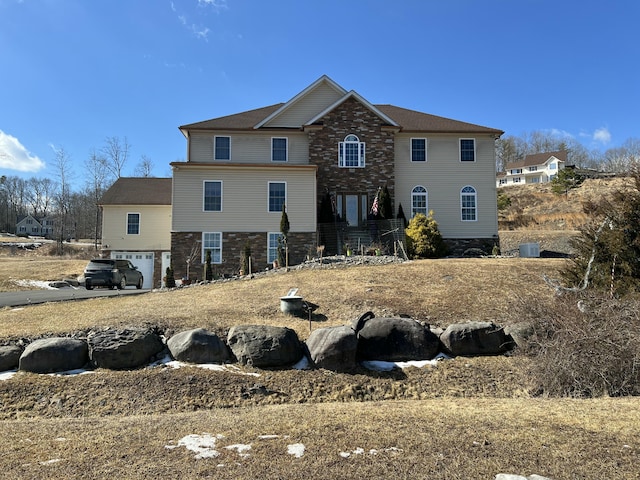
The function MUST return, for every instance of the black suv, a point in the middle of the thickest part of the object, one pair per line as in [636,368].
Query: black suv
[111,273]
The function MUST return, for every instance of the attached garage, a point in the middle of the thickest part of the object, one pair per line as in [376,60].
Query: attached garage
[142,260]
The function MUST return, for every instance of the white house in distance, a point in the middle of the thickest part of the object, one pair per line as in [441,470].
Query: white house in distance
[536,168]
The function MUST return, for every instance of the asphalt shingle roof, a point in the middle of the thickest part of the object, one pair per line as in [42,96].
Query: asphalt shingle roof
[409,120]
[138,191]
[537,159]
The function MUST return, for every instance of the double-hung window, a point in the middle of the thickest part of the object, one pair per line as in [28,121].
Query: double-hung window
[212,241]
[467,150]
[222,148]
[212,197]
[278,149]
[419,200]
[133,224]
[418,149]
[469,204]
[277,196]
[351,152]
[273,241]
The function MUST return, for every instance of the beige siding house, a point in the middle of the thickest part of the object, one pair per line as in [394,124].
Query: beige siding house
[136,225]
[326,146]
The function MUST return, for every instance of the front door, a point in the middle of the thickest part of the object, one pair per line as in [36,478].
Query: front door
[353,208]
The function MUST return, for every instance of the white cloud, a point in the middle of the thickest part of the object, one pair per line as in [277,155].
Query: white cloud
[14,156]
[202,33]
[556,132]
[602,135]
[217,5]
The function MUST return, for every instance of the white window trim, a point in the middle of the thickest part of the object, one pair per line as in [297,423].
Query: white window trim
[475,148]
[286,193]
[475,195]
[286,156]
[127,223]
[204,182]
[426,149]
[214,148]
[362,151]
[202,250]
[269,246]
[426,194]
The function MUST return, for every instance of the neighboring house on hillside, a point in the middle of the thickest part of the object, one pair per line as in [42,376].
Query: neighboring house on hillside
[136,225]
[326,142]
[28,225]
[41,227]
[537,168]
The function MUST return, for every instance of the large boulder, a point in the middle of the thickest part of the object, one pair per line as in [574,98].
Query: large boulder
[9,357]
[475,338]
[264,346]
[333,348]
[57,354]
[396,339]
[121,349]
[198,346]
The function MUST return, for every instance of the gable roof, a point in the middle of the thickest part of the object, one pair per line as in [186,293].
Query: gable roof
[353,94]
[323,80]
[407,120]
[138,191]
[538,159]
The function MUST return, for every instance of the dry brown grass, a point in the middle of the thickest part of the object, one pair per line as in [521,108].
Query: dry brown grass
[536,207]
[432,439]
[436,291]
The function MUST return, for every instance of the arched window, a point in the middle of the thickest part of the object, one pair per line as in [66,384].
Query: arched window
[419,203]
[351,152]
[469,204]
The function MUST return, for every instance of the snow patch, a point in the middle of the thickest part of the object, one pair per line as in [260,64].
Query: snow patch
[296,449]
[203,445]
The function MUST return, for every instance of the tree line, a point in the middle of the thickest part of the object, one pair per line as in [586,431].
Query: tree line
[76,212]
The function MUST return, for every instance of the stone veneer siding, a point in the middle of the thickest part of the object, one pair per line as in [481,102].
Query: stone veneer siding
[352,117]
[182,243]
[457,246]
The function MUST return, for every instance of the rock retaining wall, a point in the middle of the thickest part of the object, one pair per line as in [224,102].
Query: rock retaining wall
[338,348]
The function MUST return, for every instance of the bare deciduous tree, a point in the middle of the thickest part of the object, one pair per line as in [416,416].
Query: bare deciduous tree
[64,173]
[115,154]
[144,167]
[96,186]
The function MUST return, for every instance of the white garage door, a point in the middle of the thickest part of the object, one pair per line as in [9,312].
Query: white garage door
[142,260]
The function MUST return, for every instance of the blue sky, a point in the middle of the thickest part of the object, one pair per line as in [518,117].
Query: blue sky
[74,72]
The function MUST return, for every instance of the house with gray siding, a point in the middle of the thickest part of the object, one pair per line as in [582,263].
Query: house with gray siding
[325,143]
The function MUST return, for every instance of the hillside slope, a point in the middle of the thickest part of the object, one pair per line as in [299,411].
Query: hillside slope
[538,215]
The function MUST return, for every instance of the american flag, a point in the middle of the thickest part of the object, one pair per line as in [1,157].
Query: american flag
[374,207]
